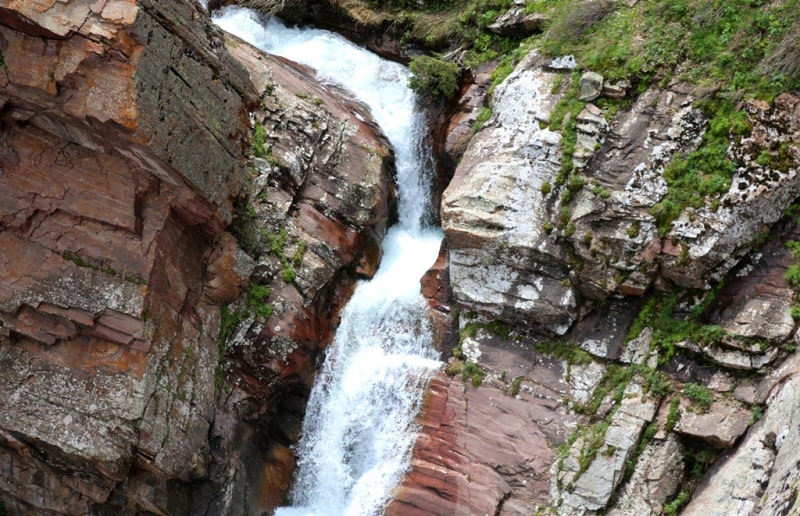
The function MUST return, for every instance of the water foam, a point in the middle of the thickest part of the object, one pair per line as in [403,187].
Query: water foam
[358,431]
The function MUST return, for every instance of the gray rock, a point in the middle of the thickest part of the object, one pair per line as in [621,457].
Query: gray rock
[493,212]
[656,476]
[762,476]
[515,22]
[721,426]
[577,492]
[591,86]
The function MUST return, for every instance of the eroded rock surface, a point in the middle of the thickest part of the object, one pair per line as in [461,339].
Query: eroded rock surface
[488,449]
[126,127]
[108,330]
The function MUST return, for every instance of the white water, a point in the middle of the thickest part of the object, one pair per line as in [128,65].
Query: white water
[358,431]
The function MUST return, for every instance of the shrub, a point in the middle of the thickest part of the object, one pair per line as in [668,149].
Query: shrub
[433,76]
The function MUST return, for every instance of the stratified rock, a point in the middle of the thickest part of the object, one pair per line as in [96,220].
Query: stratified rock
[763,474]
[656,477]
[578,489]
[124,127]
[488,449]
[318,207]
[493,213]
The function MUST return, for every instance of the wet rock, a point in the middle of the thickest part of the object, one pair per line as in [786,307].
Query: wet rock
[488,449]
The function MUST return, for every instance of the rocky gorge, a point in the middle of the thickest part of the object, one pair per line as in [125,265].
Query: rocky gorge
[183,216]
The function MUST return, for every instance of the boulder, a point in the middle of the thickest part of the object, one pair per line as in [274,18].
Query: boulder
[517,23]
[720,426]
[591,86]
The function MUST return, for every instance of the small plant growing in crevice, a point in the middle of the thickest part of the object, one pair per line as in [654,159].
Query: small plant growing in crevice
[258,141]
[700,396]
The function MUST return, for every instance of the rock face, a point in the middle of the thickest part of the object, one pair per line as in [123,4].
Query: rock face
[531,247]
[487,449]
[107,335]
[125,128]
[502,261]
[567,252]
[318,206]
[761,475]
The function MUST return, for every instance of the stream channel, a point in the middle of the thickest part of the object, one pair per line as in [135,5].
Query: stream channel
[359,425]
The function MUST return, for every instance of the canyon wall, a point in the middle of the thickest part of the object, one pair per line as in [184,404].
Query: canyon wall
[151,361]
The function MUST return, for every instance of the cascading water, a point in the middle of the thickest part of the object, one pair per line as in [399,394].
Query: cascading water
[357,434]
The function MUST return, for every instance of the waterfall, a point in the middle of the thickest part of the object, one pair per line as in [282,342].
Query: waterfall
[358,431]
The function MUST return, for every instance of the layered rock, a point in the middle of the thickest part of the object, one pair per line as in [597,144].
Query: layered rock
[107,225]
[488,449]
[502,261]
[761,475]
[317,208]
[530,256]
[126,129]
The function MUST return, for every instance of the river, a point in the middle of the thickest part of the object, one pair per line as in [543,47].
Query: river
[359,426]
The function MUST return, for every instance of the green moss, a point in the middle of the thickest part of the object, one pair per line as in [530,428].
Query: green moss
[570,352]
[495,327]
[658,313]
[516,385]
[484,115]
[792,275]
[674,414]
[257,300]
[469,371]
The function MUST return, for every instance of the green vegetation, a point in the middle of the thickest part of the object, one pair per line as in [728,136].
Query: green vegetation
[276,244]
[700,396]
[243,225]
[469,371]
[674,414]
[705,172]
[756,413]
[80,262]
[700,462]
[725,45]
[484,115]
[433,76]
[496,327]
[258,141]
[658,313]
[571,353]
[673,508]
